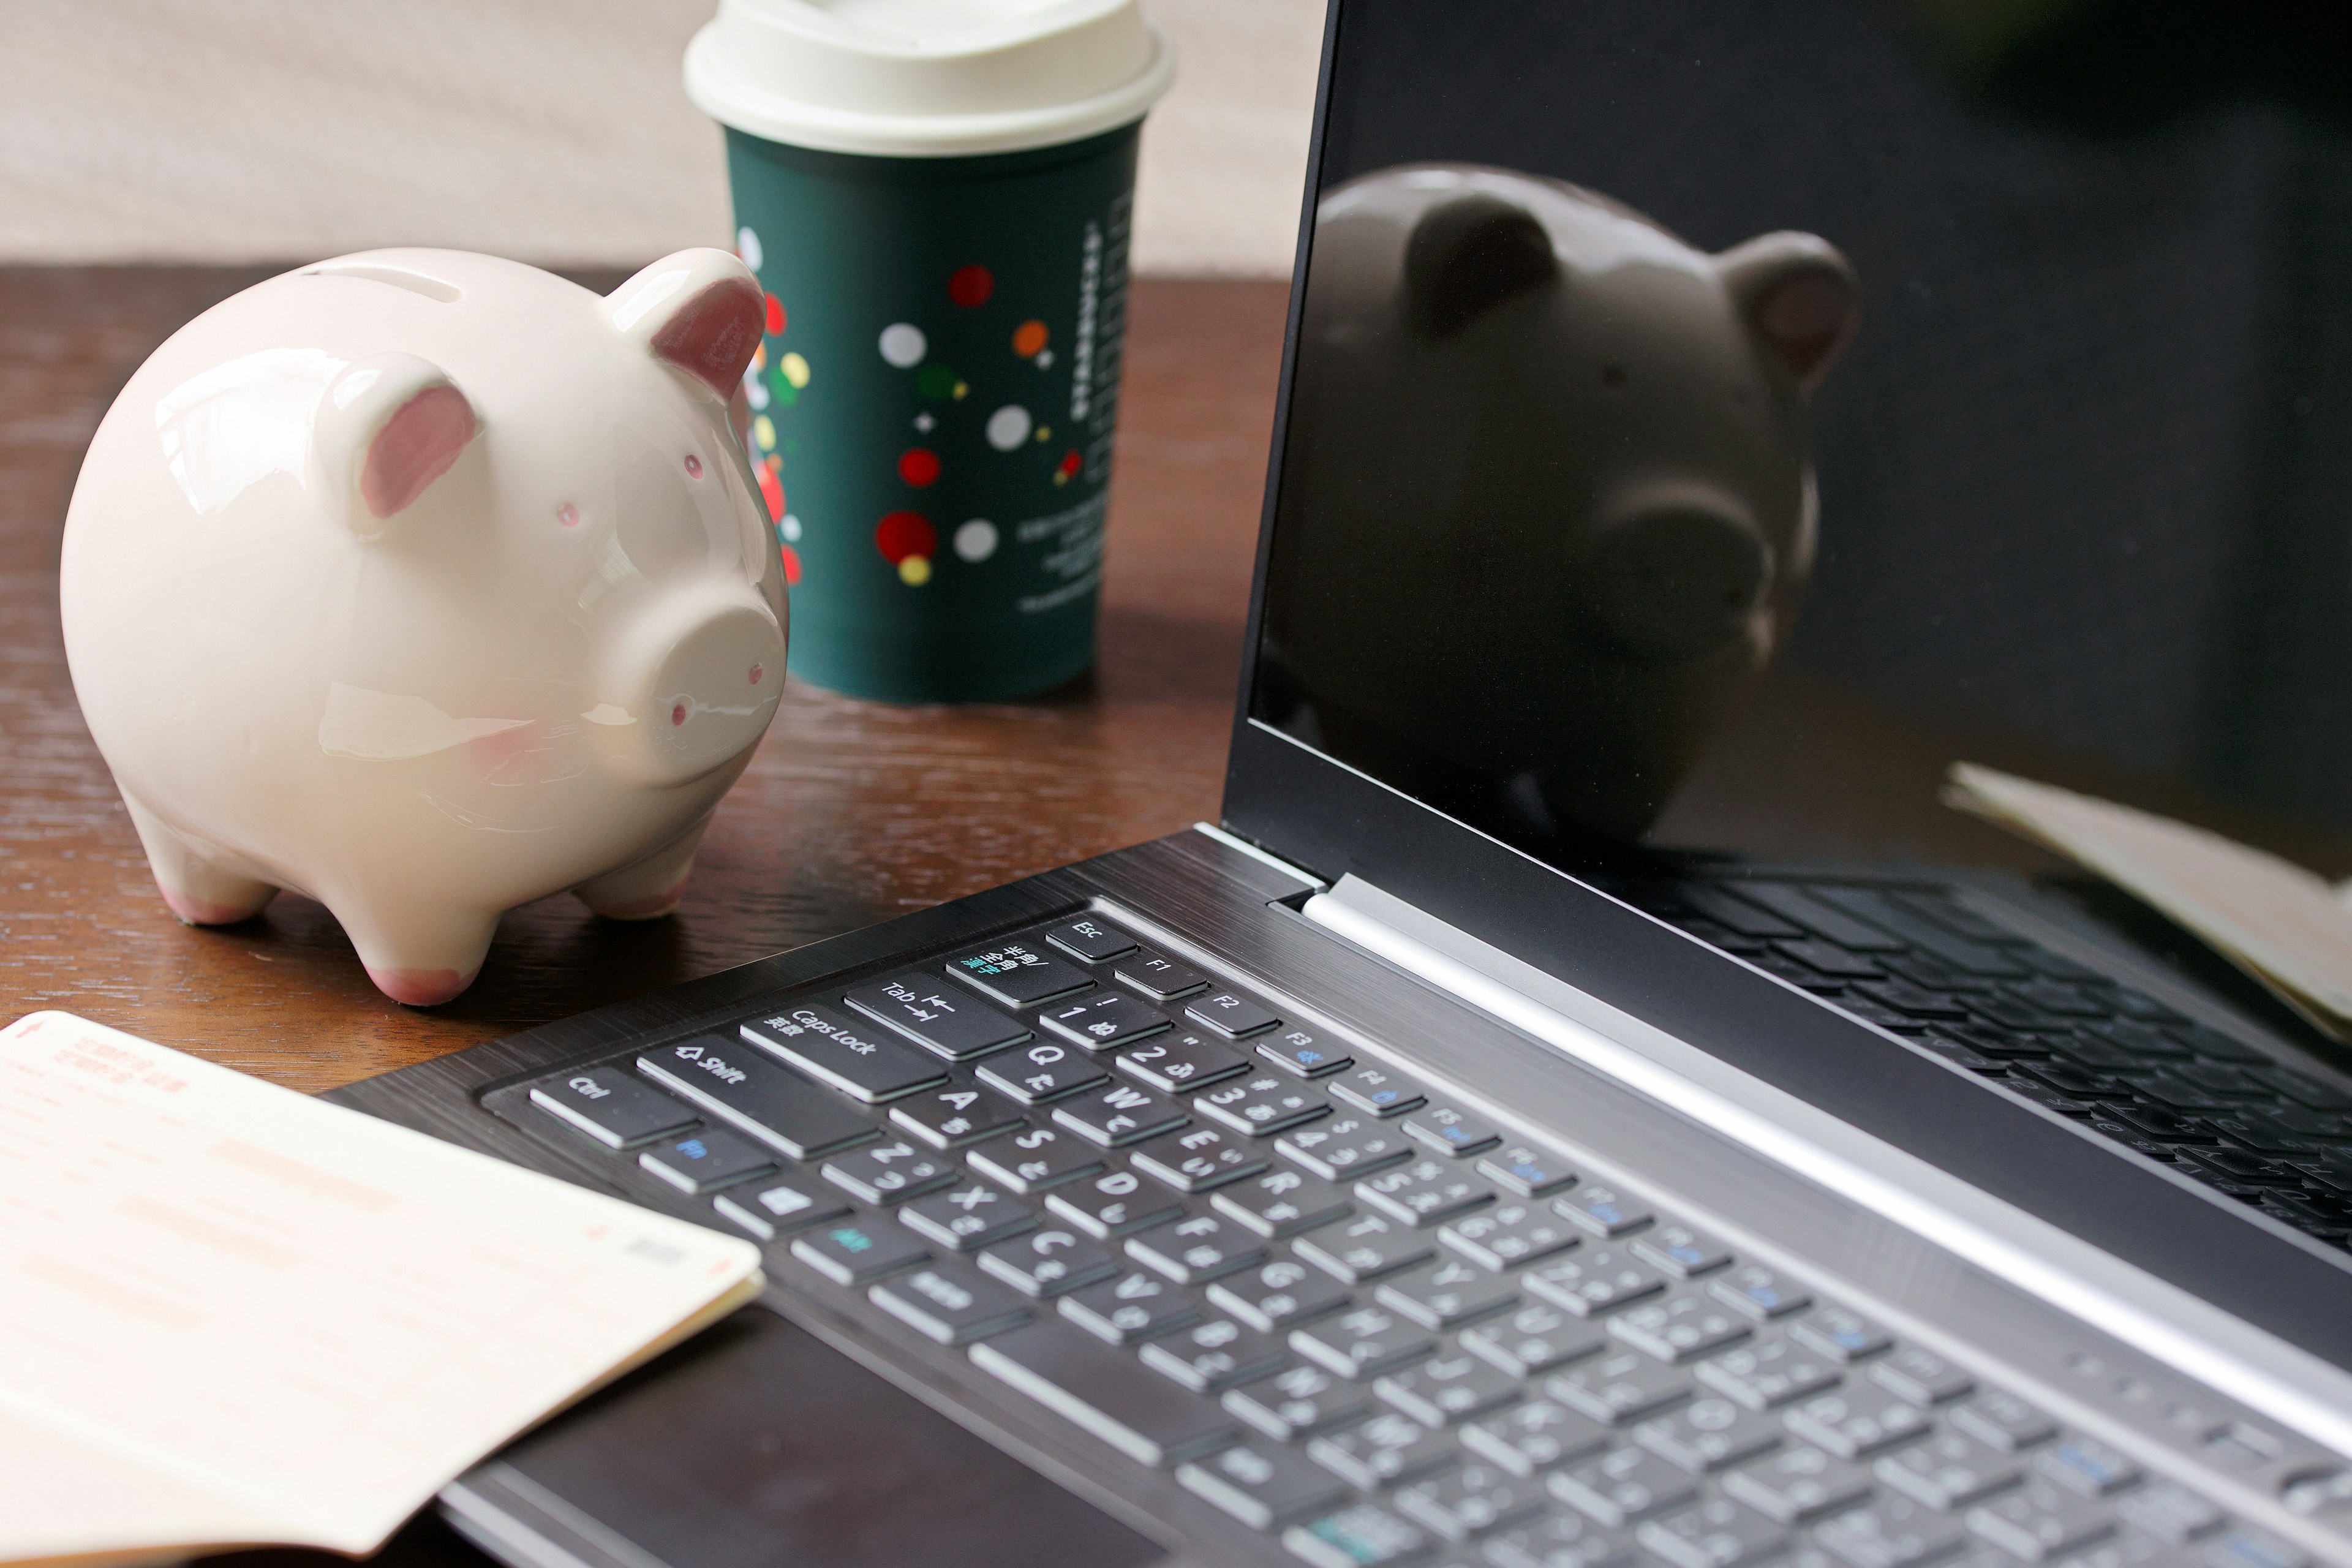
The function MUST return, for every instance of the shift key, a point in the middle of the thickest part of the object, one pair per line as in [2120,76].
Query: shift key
[856,1058]
[742,1087]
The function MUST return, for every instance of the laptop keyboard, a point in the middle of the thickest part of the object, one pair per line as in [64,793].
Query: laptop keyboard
[1344,1311]
[2062,1035]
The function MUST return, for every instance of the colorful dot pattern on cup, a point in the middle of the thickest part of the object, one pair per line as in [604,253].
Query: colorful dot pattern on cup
[976,540]
[775,315]
[918,466]
[902,344]
[794,370]
[1028,338]
[971,286]
[1008,428]
[900,534]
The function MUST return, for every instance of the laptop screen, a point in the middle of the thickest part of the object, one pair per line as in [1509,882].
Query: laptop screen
[1712,421]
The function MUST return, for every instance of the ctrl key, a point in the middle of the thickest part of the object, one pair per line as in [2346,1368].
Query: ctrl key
[707,1161]
[1106,1392]
[610,1107]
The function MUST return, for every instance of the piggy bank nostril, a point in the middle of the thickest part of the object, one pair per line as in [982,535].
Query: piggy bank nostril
[1677,583]
[693,467]
[678,715]
[756,674]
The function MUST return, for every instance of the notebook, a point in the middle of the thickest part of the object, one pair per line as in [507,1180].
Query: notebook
[231,1314]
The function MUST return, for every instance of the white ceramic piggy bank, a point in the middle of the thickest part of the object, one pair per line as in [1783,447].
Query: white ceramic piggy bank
[426,585]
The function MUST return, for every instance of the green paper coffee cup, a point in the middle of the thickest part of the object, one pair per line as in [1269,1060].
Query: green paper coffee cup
[935,197]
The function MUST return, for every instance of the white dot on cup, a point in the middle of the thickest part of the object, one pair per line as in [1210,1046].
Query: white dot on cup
[568,515]
[1008,428]
[976,539]
[693,467]
[902,344]
[678,715]
[757,671]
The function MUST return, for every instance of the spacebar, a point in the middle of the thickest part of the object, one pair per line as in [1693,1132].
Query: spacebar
[1134,1410]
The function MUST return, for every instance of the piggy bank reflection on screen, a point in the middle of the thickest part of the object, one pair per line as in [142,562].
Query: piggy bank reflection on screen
[1549,506]
[426,585]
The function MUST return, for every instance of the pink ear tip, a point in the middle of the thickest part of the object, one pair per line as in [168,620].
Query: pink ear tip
[416,445]
[713,335]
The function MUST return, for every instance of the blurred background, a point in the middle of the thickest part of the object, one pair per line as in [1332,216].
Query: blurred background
[554,131]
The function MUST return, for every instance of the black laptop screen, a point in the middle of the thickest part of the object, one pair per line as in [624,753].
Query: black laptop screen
[1711,420]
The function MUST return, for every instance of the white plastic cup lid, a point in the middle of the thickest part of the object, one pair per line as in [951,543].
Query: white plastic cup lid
[928,77]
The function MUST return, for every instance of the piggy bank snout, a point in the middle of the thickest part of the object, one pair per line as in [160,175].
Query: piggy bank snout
[690,684]
[1674,574]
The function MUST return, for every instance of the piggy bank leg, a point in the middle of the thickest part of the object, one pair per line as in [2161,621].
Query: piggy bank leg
[421,957]
[648,889]
[200,893]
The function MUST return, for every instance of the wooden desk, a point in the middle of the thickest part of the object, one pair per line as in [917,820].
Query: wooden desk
[852,811]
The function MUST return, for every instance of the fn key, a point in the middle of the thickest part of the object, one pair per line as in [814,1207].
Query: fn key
[1117,1399]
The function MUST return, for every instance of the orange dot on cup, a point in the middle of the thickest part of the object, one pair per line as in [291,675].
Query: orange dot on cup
[918,466]
[775,315]
[969,286]
[1028,338]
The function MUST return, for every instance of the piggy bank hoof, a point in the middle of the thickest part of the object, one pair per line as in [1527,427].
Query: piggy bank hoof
[201,911]
[652,907]
[422,987]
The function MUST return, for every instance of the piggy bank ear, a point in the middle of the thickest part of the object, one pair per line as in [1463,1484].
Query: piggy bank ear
[1798,296]
[1469,256]
[701,310]
[384,429]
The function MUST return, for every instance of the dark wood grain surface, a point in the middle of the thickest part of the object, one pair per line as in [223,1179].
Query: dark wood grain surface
[851,811]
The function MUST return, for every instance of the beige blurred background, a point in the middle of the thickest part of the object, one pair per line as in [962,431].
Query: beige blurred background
[551,131]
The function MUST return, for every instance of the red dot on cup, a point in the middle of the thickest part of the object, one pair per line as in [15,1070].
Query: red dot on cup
[693,467]
[775,315]
[918,466]
[757,671]
[568,515]
[904,534]
[678,715]
[969,286]
[1070,464]
[792,565]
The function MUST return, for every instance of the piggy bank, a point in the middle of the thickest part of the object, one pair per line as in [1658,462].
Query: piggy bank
[426,583]
[1570,451]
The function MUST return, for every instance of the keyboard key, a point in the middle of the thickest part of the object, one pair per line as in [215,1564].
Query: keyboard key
[1117,1113]
[1766,1376]
[2040,1523]
[2245,1548]
[1278,1294]
[947,1020]
[855,1251]
[1446,1390]
[1103,1020]
[1718,1533]
[1892,1532]
[1196,1250]
[753,1094]
[1620,1488]
[1533,1437]
[1921,1376]
[706,1161]
[1112,1205]
[1280,1202]
[1364,1536]
[1128,1309]
[952,1117]
[2085,1468]
[1857,1424]
[1758,1293]
[1035,1159]
[1530,1172]
[615,1109]
[1213,1356]
[1180,1062]
[1198,1158]
[1091,940]
[2004,1420]
[1447,1293]
[1619,1389]
[1708,1434]
[1260,1104]
[1303,1054]
[1036,1074]
[1364,1247]
[1161,978]
[1466,1503]
[888,1172]
[856,1059]
[1298,1402]
[1798,1484]
[967,1217]
[1384,1450]
[1507,1235]
[1451,1130]
[1602,1211]
[1017,973]
[1593,1280]
[950,1308]
[1840,1335]
[1344,1146]
[1135,1410]
[1236,1017]
[1682,1251]
[1425,1193]
[2173,1514]
[1363,1343]
[1950,1470]
[1377,1090]
[1262,1485]
[1536,1337]
[1679,1329]
[1559,1540]
[1047,1262]
[779,1207]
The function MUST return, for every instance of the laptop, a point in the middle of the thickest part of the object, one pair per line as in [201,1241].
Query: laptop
[1587,1102]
